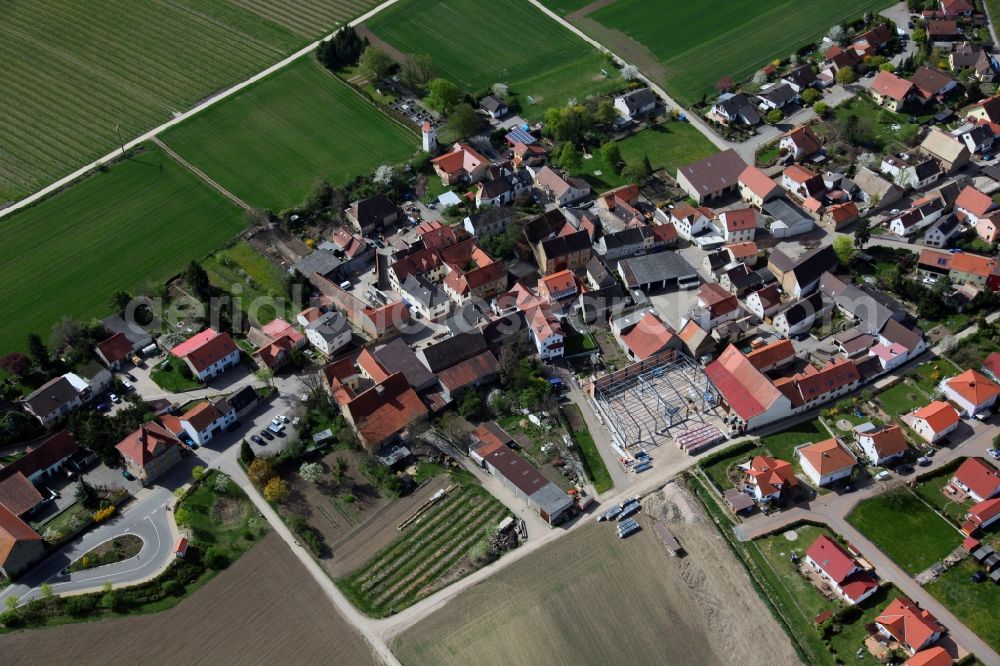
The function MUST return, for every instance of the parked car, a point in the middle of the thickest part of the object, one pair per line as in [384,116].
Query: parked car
[295,422]
[130,376]
[127,385]
[256,440]
[102,407]
[923,461]
[281,418]
[266,434]
[883,475]
[994,453]
[904,469]
[114,398]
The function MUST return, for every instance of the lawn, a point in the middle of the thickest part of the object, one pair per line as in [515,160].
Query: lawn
[905,529]
[777,549]
[929,375]
[782,445]
[271,143]
[173,380]
[579,344]
[141,221]
[973,350]
[476,43]
[717,468]
[252,279]
[929,489]
[733,39]
[902,398]
[975,604]
[592,460]
[75,72]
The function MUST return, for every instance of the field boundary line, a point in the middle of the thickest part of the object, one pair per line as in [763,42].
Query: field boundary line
[181,117]
[200,174]
[409,128]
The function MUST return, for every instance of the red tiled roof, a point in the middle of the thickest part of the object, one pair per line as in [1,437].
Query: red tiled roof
[742,250]
[907,623]
[938,415]
[771,474]
[469,371]
[311,314]
[143,444]
[747,391]
[489,439]
[665,233]
[812,383]
[832,558]
[978,476]
[43,456]
[974,201]
[205,348]
[649,336]
[559,282]
[974,386]
[385,409]
[13,530]
[371,366]
[888,440]
[18,494]
[740,219]
[757,181]
[932,656]
[992,363]
[963,262]
[771,354]
[844,211]
[461,156]
[115,348]
[984,511]
[799,174]
[827,456]
[804,139]
[201,416]
[889,85]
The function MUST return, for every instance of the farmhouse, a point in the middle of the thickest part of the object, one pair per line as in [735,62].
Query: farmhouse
[798,316]
[826,462]
[43,460]
[934,421]
[635,103]
[462,164]
[756,187]
[913,628]
[978,478]
[372,213]
[763,302]
[972,391]
[689,221]
[974,57]
[656,271]
[766,478]
[208,353]
[833,563]
[149,451]
[526,482]
[800,277]
[698,343]
[711,177]
[881,445]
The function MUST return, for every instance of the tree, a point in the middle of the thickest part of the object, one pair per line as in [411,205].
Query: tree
[16,426]
[46,591]
[471,406]
[759,78]
[862,233]
[38,351]
[266,375]
[569,157]
[339,471]
[887,67]
[611,154]
[260,471]
[383,176]
[605,113]
[775,116]
[311,472]
[821,108]
[442,95]
[845,76]
[417,70]
[16,363]
[247,455]
[215,558]
[725,84]
[844,249]
[197,472]
[463,120]
[119,301]
[630,72]
[837,35]
[86,494]
[374,64]
[197,281]
[500,91]
[810,96]
[276,490]
[341,50]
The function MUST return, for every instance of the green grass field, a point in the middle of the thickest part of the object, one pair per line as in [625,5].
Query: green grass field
[975,604]
[73,72]
[734,38]
[905,529]
[782,445]
[902,399]
[143,220]
[476,43]
[270,144]
[261,282]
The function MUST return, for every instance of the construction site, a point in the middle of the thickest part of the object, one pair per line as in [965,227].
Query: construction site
[665,399]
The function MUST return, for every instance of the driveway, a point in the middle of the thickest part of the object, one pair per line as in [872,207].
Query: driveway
[900,15]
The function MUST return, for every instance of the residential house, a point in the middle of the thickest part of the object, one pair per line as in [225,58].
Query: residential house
[711,177]
[942,30]
[988,228]
[800,276]
[771,356]
[978,478]
[934,421]
[368,215]
[826,462]
[834,564]
[636,240]
[502,184]
[959,267]
[383,411]
[896,344]
[776,96]
[697,342]
[749,398]
[764,302]
[635,103]
[597,274]
[891,91]
[745,252]
[20,546]
[952,153]
[560,189]
[716,306]
[545,331]
[462,164]
[909,170]
[799,316]
[493,106]
[870,308]
[373,323]
[208,354]
[571,251]
[689,221]
[275,342]
[907,624]
[739,279]
[114,351]
[842,215]
[967,56]
[485,224]
[955,8]
[924,212]
[972,391]
[558,286]
[243,401]
[991,366]
[424,297]
[941,232]
[738,225]
[149,451]
[460,362]
[716,262]
[19,496]
[881,445]
[44,460]
[986,111]
[734,109]
[328,332]
[207,419]
[974,204]
[978,139]
[756,187]
[800,143]
[981,516]
[57,397]
[800,78]
[765,479]
[647,336]
[932,84]
[876,192]
[471,273]
[801,182]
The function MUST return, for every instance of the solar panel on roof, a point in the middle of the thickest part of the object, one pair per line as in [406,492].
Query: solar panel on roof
[519,135]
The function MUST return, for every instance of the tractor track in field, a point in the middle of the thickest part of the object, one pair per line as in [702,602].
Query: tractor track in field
[201,174]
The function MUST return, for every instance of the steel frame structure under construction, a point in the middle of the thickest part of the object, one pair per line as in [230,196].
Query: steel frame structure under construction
[645,403]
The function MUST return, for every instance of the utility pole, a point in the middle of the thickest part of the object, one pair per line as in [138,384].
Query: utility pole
[120,142]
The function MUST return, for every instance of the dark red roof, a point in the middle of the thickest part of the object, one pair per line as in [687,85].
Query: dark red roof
[43,456]
[116,348]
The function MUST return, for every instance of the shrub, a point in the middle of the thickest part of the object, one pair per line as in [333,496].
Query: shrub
[276,490]
[80,606]
[260,472]
[215,558]
[103,514]
[198,471]
[172,588]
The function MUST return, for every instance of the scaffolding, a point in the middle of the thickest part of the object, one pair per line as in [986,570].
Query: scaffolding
[646,403]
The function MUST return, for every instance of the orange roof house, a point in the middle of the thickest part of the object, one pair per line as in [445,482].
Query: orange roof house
[827,461]
[149,451]
[114,350]
[933,421]
[909,625]
[973,391]
[647,337]
[766,478]
[882,444]
[771,356]
[978,478]
[800,142]
[208,353]
[932,656]
[558,285]
[20,546]
[383,411]
[981,516]
[756,187]
[462,163]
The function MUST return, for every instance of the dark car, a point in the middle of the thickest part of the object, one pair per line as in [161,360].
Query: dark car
[904,469]
[130,377]
[266,434]
[256,440]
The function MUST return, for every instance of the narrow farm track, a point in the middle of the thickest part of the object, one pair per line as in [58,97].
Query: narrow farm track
[180,117]
[201,174]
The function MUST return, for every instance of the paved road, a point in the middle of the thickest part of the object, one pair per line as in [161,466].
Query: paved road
[146,518]
[181,117]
